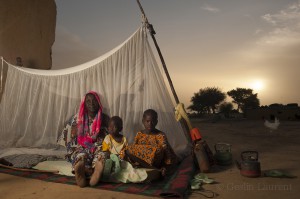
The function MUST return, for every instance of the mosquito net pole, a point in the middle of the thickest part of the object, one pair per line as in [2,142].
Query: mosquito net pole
[152,33]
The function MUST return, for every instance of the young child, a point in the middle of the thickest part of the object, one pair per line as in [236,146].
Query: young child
[19,62]
[114,142]
[151,148]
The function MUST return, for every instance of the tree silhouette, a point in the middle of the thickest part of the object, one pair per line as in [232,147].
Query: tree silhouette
[244,98]
[206,100]
[226,108]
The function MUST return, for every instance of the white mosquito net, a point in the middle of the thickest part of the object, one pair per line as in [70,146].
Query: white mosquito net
[36,104]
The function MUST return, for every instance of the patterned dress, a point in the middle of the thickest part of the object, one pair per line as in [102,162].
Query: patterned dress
[154,149]
[68,139]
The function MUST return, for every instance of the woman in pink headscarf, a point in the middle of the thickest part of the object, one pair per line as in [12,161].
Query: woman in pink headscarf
[85,148]
[89,121]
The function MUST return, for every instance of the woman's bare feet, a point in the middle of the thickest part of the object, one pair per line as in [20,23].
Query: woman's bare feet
[96,176]
[80,172]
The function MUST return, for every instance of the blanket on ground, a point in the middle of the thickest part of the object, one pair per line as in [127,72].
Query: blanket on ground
[175,185]
[28,160]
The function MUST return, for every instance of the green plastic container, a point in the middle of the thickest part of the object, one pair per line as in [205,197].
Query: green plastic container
[223,155]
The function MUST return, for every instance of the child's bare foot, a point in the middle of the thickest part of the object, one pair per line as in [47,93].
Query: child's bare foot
[80,172]
[96,176]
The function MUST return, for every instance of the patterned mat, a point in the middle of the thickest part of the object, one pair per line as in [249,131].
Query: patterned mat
[174,186]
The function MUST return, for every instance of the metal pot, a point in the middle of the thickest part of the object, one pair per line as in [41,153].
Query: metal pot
[249,166]
[223,155]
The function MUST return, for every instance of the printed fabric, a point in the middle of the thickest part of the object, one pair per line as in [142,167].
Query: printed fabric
[154,149]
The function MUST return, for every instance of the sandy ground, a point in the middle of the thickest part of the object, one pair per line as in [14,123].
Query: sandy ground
[277,150]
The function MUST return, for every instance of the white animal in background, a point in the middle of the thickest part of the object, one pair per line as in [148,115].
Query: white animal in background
[272,125]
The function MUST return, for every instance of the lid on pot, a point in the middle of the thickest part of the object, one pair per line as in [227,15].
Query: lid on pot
[249,156]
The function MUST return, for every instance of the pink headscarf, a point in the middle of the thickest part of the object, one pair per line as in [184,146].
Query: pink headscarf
[86,138]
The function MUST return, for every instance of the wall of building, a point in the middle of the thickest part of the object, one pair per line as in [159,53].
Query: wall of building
[27,30]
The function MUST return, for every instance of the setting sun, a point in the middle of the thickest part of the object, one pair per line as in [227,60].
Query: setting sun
[257,85]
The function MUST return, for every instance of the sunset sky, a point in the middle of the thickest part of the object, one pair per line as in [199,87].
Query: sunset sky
[222,43]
